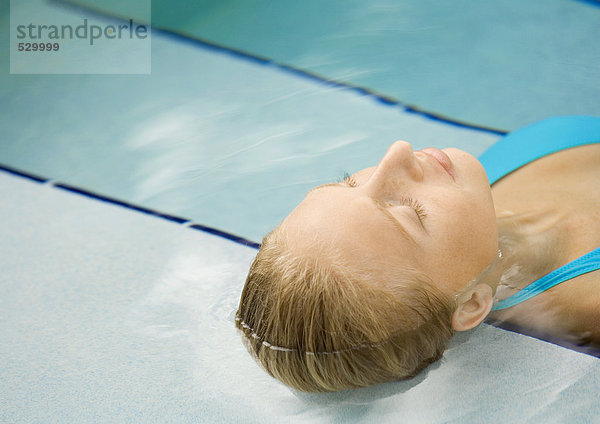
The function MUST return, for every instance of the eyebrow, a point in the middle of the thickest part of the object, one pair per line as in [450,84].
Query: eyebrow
[379,205]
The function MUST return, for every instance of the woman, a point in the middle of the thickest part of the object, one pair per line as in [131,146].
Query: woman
[367,279]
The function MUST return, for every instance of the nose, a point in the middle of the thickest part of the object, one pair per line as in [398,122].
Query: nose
[398,165]
[398,168]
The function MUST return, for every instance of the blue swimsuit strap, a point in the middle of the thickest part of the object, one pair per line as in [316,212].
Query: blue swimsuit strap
[537,140]
[582,265]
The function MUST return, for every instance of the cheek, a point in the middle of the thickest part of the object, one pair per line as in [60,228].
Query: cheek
[467,166]
[466,238]
[479,228]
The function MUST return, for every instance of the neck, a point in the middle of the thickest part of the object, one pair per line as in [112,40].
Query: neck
[527,251]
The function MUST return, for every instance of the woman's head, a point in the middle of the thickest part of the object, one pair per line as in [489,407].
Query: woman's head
[430,210]
[357,285]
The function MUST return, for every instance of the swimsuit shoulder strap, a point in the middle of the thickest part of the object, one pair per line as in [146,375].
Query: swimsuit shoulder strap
[537,140]
[582,265]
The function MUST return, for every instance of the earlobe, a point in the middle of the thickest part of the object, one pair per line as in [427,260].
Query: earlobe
[473,308]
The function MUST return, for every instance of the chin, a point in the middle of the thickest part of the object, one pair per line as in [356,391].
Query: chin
[467,167]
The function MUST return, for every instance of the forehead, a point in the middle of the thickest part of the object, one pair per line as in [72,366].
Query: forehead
[337,218]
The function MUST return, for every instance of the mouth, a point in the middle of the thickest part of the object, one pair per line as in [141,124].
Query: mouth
[442,158]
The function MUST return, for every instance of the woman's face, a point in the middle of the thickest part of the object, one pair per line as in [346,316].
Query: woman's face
[428,210]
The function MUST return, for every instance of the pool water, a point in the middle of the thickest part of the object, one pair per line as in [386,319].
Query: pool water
[112,315]
[501,64]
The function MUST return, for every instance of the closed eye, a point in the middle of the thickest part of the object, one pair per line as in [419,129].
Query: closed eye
[403,200]
[413,204]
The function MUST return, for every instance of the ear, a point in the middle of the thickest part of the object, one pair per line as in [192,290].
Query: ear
[473,307]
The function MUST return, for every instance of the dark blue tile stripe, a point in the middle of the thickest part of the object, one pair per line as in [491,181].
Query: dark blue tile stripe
[130,206]
[383,99]
[228,236]
[591,2]
[22,174]
[121,203]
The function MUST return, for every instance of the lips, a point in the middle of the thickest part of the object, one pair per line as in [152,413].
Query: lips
[442,158]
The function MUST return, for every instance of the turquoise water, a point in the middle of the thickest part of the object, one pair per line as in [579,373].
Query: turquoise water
[501,64]
[224,141]
[111,315]
[213,136]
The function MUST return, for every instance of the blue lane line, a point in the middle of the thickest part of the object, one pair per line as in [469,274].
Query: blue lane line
[223,234]
[23,174]
[381,98]
[130,206]
[591,2]
[147,211]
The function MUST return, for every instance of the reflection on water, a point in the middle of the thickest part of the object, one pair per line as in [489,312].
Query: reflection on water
[215,145]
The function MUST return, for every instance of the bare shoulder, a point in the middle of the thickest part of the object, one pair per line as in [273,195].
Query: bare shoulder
[564,184]
[577,165]
[569,311]
[579,303]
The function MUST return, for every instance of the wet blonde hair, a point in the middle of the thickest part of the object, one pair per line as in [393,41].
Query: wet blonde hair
[322,326]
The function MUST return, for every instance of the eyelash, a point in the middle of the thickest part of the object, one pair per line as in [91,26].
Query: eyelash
[348,179]
[404,200]
[415,205]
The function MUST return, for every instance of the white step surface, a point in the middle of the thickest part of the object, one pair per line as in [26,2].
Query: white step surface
[109,315]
